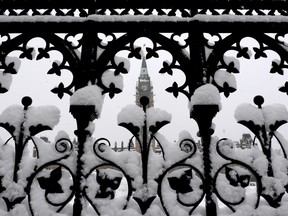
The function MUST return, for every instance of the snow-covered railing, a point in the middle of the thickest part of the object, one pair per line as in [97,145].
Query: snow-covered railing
[180,8]
[97,43]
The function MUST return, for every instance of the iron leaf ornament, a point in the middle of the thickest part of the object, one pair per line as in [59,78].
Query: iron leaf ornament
[11,203]
[243,52]
[55,69]
[174,89]
[166,68]
[10,68]
[182,184]
[60,90]
[120,69]
[129,126]
[43,53]
[158,125]
[108,185]
[135,52]
[51,184]
[144,204]
[276,68]
[27,53]
[284,88]
[38,128]
[237,179]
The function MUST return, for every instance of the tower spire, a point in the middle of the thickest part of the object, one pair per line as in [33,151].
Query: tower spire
[144,85]
[144,72]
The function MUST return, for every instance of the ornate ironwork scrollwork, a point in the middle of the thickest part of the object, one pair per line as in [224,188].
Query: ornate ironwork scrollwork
[108,63]
[51,44]
[23,179]
[141,182]
[237,177]
[108,176]
[53,190]
[222,68]
[264,129]
[95,52]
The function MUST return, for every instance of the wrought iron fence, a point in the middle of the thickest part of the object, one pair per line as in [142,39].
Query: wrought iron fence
[83,177]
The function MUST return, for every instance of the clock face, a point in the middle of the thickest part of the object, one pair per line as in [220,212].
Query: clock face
[144,87]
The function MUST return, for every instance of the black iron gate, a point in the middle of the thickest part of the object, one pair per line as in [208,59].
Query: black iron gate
[83,178]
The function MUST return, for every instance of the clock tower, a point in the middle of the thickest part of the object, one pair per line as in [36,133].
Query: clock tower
[144,85]
[144,88]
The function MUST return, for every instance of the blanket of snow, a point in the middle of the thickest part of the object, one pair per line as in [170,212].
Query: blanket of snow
[145,18]
[89,95]
[207,94]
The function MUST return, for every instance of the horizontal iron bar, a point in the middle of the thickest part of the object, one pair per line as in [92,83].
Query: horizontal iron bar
[192,4]
[221,24]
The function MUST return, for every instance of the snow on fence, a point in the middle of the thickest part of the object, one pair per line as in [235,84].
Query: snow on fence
[93,41]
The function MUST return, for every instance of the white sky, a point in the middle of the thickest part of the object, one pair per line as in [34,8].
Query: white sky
[253,79]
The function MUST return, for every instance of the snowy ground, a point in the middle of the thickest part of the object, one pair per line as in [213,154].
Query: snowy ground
[263,210]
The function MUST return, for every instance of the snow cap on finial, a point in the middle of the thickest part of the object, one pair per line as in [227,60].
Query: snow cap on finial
[206,94]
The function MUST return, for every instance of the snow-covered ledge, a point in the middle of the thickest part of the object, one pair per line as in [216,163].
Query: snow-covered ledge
[145,18]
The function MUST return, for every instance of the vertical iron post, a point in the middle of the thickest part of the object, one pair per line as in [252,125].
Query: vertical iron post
[203,115]
[88,59]
[83,115]
[20,143]
[197,59]
[145,148]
